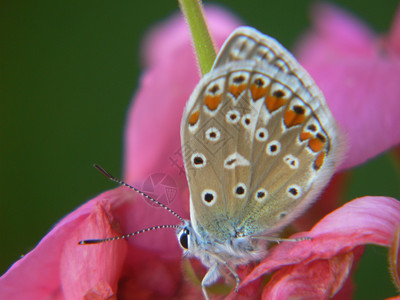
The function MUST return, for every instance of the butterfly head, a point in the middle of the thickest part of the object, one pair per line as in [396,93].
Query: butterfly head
[184,236]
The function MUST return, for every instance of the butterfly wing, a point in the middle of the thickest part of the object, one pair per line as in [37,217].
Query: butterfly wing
[259,141]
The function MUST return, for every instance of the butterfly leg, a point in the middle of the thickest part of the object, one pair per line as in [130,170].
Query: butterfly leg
[233,272]
[210,277]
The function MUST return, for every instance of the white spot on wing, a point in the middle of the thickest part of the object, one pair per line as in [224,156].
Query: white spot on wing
[241,48]
[193,128]
[276,87]
[234,160]
[273,148]
[282,65]
[291,161]
[213,134]
[240,190]
[261,195]
[198,160]
[294,191]
[209,197]
[261,134]
[263,54]
[232,116]
[247,121]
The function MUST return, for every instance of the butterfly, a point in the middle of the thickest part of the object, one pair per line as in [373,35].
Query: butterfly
[259,144]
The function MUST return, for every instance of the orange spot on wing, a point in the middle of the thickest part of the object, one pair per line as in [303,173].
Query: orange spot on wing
[305,136]
[319,161]
[212,101]
[257,92]
[291,118]
[274,103]
[236,90]
[315,144]
[194,117]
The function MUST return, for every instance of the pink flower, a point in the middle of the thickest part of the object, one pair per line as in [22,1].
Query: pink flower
[359,74]
[318,269]
[149,266]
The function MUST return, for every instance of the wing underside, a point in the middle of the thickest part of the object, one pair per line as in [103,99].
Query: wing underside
[257,139]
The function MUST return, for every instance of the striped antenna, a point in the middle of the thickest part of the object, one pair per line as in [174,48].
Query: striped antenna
[125,236]
[115,179]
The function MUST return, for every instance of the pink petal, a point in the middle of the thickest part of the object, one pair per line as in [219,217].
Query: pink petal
[394,35]
[336,33]
[156,270]
[367,220]
[147,276]
[92,271]
[38,275]
[319,279]
[326,203]
[360,82]
[153,126]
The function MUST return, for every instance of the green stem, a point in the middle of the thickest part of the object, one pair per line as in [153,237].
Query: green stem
[205,51]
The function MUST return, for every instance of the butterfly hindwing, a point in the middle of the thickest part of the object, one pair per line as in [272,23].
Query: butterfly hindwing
[255,139]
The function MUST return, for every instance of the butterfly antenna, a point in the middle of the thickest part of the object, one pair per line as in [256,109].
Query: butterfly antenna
[115,179]
[125,236]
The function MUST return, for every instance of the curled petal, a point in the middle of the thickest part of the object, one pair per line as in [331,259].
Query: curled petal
[367,220]
[58,267]
[316,280]
[92,271]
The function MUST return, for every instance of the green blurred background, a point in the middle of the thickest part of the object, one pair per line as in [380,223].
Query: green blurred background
[68,71]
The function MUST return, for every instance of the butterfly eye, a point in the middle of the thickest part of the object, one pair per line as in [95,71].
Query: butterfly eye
[184,239]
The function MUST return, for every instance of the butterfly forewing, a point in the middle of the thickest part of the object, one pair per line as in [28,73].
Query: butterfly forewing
[255,140]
